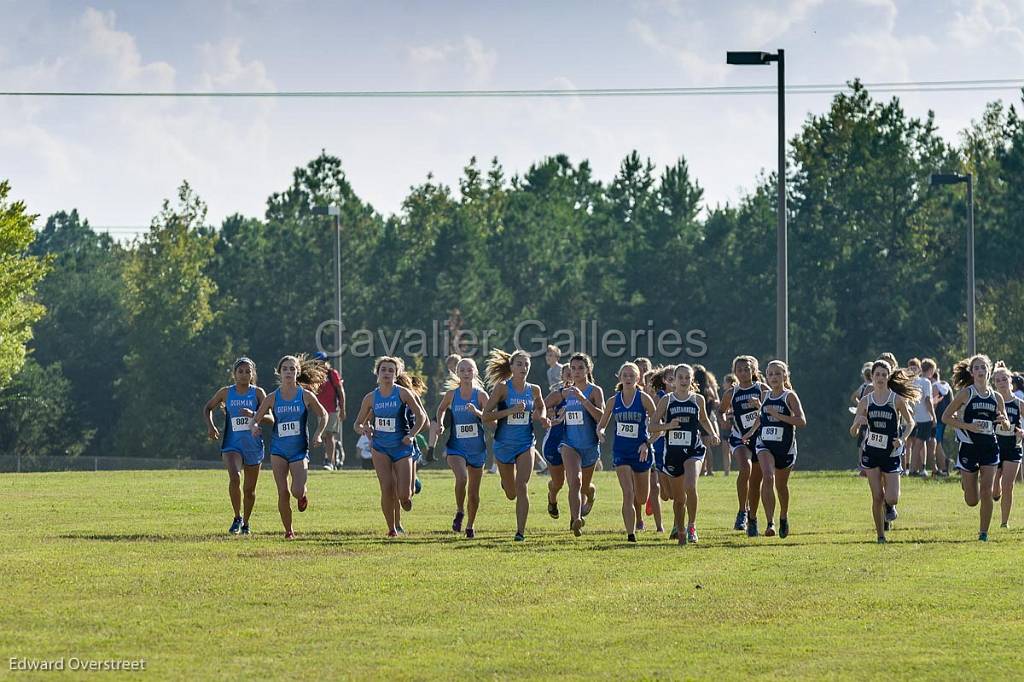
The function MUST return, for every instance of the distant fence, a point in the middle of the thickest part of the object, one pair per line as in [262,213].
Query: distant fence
[17,464]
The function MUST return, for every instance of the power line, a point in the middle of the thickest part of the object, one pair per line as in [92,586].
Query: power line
[707,91]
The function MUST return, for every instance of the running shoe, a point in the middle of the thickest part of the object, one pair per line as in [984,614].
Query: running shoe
[591,498]
[741,520]
[245,529]
[430,454]
[995,498]
[399,529]
[576,527]
[769,532]
[783,527]
[890,513]
[752,528]
[640,525]
[886,526]
[457,522]
[407,504]
[631,538]
[691,535]
[882,540]
[553,510]
[303,503]
[1004,525]
[417,487]
[470,533]
[328,466]
[674,535]
[289,535]
[983,537]
[518,538]
[392,533]
[236,526]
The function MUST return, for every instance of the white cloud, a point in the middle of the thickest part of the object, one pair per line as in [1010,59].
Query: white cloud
[119,53]
[701,70]
[881,52]
[477,61]
[765,22]
[224,69]
[987,22]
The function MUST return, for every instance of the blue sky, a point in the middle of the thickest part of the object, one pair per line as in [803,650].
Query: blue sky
[115,160]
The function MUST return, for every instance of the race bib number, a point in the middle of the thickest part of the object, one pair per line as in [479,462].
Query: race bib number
[680,438]
[518,419]
[1004,430]
[986,425]
[574,418]
[239,423]
[623,430]
[772,434]
[466,431]
[287,429]
[748,419]
[878,440]
[384,424]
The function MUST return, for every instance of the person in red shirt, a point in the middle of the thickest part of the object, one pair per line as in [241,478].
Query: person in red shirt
[332,397]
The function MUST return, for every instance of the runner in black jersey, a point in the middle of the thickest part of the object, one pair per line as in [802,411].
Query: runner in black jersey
[976,411]
[1009,440]
[882,424]
[781,414]
[742,402]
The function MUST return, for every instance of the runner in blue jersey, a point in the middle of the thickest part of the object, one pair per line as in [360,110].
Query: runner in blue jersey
[781,414]
[550,448]
[584,407]
[1009,439]
[882,422]
[631,409]
[514,404]
[976,411]
[682,414]
[653,488]
[463,405]
[742,403]
[291,403]
[239,448]
[382,420]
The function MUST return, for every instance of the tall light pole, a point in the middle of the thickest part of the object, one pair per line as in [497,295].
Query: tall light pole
[955,179]
[334,210]
[782,247]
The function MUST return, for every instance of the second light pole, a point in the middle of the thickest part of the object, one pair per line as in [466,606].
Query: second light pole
[782,247]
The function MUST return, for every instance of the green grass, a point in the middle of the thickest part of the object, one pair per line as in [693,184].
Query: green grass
[139,565]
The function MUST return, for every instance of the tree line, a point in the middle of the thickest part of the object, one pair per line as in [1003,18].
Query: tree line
[112,348]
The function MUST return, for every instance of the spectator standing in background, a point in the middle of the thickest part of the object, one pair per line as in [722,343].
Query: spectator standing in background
[554,371]
[332,396]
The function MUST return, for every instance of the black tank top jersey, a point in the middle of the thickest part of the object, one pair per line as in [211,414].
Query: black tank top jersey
[742,405]
[1008,441]
[883,426]
[686,438]
[778,441]
[979,409]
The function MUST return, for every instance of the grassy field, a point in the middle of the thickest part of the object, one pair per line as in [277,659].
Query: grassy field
[139,565]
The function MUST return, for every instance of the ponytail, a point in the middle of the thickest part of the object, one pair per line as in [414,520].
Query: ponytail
[962,376]
[499,365]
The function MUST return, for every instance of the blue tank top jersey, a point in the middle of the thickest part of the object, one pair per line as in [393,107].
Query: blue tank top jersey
[237,434]
[743,411]
[883,426]
[659,445]
[775,434]
[517,427]
[630,424]
[289,426]
[685,439]
[1007,438]
[580,427]
[467,432]
[982,411]
[390,421]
